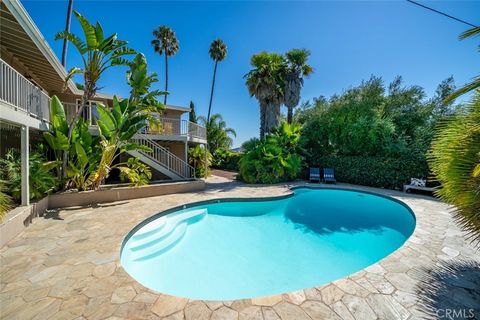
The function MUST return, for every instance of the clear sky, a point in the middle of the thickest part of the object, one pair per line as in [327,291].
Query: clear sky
[349,41]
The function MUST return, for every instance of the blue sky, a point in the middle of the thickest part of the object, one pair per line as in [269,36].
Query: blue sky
[349,41]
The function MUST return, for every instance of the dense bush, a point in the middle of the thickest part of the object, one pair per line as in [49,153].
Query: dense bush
[382,172]
[374,134]
[42,179]
[275,159]
[196,158]
[227,160]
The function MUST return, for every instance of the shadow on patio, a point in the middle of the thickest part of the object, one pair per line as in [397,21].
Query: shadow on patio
[450,291]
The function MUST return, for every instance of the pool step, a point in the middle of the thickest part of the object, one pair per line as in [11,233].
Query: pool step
[163,246]
[150,228]
[163,236]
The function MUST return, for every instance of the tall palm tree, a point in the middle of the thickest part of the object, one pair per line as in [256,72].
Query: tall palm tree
[296,71]
[217,132]
[218,52]
[67,28]
[98,54]
[165,43]
[473,85]
[266,82]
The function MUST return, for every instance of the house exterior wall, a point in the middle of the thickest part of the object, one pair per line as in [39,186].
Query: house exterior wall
[172,114]
[175,147]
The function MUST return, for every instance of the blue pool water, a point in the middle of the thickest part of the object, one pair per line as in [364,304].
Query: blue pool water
[243,249]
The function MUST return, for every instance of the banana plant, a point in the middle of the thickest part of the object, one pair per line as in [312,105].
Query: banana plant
[98,54]
[83,148]
[117,126]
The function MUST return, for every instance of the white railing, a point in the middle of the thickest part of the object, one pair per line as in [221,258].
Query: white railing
[177,127]
[23,95]
[164,157]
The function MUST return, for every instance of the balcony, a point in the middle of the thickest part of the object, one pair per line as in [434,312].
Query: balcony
[22,96]
[169,129]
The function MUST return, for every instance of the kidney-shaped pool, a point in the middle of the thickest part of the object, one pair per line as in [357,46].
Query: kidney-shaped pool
[243,248]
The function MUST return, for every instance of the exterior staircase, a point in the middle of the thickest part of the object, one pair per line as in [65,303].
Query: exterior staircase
[161,159]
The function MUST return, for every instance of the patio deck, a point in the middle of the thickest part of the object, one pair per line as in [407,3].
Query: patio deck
[66,266]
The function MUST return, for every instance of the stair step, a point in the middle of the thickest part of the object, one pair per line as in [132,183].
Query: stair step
[167,243]
[150,228]
[164,234]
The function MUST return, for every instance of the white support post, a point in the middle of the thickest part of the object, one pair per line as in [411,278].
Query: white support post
[186,151]
[25,167]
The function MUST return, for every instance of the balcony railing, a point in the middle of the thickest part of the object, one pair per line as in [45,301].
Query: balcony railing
[23,95]
[168,126]
[177,127]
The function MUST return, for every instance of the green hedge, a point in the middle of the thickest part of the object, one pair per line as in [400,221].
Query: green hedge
[229,161]
[382,172]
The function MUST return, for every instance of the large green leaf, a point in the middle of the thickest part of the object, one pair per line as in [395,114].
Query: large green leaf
[88,30]
[76,41]
[57,116]
[81,155]
[117,111]
[99,33]
[106,118]
[59,141]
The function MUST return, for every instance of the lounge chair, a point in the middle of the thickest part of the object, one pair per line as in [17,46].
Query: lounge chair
[328,175]
[314,174]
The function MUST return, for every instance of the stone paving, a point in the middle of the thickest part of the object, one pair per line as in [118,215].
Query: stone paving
[66,266]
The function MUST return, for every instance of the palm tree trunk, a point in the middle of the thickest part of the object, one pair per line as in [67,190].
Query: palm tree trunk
[290,115]
[263,108]
[166,79]
[272,116]
[67,28]
[211,93]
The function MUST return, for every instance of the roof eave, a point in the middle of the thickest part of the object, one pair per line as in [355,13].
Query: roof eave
[19,12]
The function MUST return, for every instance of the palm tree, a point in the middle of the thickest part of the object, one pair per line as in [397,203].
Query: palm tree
[217,132]
[266,83]
[218,52]
[67,28]
[165,43]
[475,83]
[98,54]
[297,70]
[455,161]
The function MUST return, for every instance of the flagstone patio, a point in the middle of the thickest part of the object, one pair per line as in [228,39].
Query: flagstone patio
[66,266]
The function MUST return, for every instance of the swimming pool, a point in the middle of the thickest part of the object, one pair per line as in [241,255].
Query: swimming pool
[237,248]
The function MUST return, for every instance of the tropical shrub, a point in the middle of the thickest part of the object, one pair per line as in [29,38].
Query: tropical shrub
[196,158]
[275,159]
[91,157]
[226,159]
[135,171]
[455,161]
[6,202]
[42,181]
[218,136]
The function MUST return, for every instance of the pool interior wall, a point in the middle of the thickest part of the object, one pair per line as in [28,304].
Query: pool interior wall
[243,248]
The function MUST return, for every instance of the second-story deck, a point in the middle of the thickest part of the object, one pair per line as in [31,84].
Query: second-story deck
[169,129]
[21,101]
